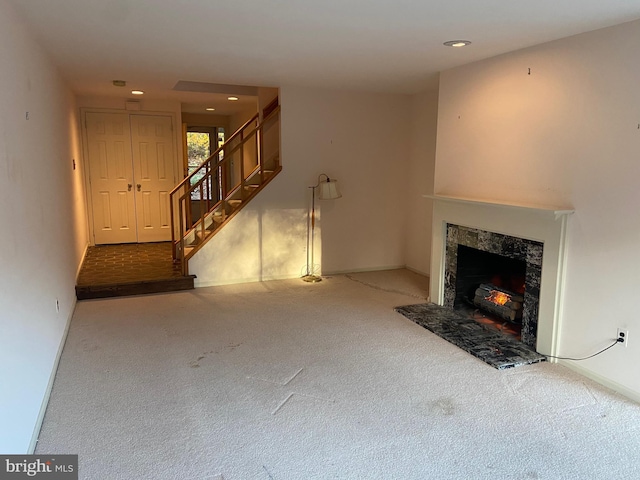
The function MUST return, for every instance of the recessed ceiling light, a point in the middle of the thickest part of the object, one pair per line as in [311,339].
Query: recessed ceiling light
[137,92]
[457,43]
[210,109]
[233,99]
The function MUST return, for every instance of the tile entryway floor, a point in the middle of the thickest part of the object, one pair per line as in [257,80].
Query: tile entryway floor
[107,269]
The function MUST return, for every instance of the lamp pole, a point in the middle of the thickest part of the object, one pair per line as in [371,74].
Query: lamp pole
[328,190]
[310,277]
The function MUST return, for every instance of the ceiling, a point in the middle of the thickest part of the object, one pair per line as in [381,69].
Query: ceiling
[392,46]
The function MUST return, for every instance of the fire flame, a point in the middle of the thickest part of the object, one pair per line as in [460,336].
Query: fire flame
[499,298]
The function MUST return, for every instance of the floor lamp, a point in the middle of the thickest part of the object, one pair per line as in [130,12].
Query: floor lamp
[328,189]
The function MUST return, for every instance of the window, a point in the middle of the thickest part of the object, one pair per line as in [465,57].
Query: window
[201,143]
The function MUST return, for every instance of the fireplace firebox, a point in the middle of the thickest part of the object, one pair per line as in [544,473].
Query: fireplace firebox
[498,273]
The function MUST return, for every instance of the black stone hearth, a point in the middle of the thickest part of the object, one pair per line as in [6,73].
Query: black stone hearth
[498,350]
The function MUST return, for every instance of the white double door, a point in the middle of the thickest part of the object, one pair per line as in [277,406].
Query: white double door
[131,173]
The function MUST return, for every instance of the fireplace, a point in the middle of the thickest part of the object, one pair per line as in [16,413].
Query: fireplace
[533,234]
[500,273]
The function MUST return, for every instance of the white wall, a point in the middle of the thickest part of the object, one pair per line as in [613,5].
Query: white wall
[424,116]
[362,140]
[43,223]
[567,134]
[240,118]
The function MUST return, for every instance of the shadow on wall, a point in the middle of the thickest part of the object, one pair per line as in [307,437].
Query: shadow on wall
[256,245]
[284,249]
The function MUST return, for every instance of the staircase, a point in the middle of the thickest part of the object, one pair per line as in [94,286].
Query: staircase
[207,199]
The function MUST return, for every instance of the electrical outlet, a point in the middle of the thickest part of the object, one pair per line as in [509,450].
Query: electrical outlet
[624,335]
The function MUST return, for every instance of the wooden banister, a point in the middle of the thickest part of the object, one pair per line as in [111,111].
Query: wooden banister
[218,197]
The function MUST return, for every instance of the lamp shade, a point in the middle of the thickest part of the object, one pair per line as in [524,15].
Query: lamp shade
[329,190]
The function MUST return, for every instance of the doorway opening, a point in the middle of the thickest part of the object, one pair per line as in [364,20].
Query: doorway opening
[201,143]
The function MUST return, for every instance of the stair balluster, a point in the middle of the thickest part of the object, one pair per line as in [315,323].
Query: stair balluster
[197,217]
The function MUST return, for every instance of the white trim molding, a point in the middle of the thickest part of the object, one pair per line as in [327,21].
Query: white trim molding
[546,224]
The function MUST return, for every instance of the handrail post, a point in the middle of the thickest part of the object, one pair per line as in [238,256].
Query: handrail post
[182,253]
[173,229]
[208,183]
[219,180]
[188,212]
[242,165]
[202,214]
[224,177]
[259,146]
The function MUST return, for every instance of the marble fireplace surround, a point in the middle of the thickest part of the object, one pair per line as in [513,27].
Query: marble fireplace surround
[516,248]
[544,224]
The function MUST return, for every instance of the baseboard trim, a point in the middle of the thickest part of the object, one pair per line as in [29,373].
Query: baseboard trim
[615,386]
[204,284]
[363,270]
[419,272]
[236,281]
[84,255]
[52,377]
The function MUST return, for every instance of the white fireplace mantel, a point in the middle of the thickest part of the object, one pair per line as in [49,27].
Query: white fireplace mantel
[546,224]
[557,211]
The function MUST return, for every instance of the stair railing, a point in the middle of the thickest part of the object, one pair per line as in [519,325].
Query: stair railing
[217,189]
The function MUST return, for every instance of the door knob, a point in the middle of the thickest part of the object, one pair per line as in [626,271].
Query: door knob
[129,187]
[139,187]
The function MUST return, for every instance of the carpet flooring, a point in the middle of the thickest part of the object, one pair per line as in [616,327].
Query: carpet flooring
[289,380]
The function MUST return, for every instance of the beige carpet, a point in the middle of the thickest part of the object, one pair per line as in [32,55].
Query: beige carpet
[288,380]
